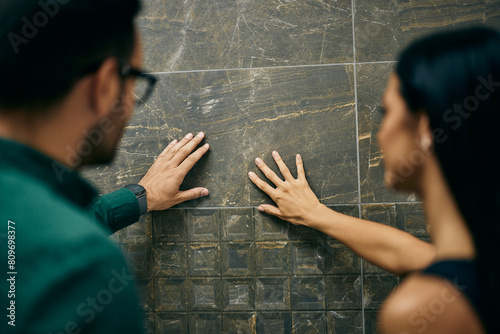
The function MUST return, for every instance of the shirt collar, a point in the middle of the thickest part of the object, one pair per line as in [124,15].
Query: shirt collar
[59,178]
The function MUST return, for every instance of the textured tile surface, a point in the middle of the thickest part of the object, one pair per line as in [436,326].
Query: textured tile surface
[383,28]
[215,34]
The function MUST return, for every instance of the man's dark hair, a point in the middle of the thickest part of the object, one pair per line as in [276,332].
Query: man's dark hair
[46,46]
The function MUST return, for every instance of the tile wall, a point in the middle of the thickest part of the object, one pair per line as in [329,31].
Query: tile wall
[297,76]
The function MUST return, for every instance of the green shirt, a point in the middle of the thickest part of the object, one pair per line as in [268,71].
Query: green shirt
[60,273]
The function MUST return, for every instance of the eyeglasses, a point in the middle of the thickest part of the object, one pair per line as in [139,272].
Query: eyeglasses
[144,85]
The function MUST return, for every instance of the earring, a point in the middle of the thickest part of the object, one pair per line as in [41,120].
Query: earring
[426,144]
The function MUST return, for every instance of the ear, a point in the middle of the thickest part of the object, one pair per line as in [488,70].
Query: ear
[424,131]
[105,88]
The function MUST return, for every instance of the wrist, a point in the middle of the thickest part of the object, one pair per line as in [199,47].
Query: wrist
[314,216]
[141,195]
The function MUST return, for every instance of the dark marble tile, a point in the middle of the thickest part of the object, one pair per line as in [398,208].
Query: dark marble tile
[169,226]
[272,258]
[204,260]
[274,323]
[376,289]
[247,114]
[149,323]
[308,293]
[205,294]
[138,258]
[344,322]
[268,227]
[273,293]
[382,214]
[341,260]
[205,323]
[187,35]
[171,294]
[371,322]
[170,260]
[146,295]
[343,292]
[309,323]
[237,224]
[202,225]
[383,28]
[411,216]
[304,233]
[239,294]
[308,258]
[138,233]
[239,322]
[238,259]
[171,323]
[371,80]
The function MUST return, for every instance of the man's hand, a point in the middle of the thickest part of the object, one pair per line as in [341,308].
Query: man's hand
[163,179]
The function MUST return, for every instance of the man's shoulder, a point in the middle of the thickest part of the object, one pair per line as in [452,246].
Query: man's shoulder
[43,217]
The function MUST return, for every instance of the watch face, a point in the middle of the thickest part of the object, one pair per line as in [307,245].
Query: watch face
[136,189]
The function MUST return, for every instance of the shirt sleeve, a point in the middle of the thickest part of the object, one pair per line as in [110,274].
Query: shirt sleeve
[116,210]
[90,290]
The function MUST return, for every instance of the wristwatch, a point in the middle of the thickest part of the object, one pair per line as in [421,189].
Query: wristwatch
[140,193]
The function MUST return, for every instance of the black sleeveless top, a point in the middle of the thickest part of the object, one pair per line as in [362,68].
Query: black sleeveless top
[464,275]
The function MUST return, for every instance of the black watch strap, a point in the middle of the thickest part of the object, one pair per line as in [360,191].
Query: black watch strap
[140,193]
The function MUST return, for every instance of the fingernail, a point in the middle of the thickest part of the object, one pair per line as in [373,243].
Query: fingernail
[251,174]
[174,142]
[204,192]
[206,146]
[258,161]
[189,136]
[299,158]
[261,209]
[275,154]
[201,134]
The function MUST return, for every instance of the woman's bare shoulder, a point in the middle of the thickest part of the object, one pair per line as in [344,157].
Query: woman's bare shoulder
[426,304]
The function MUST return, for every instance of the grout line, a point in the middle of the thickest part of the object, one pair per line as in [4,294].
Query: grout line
[273,67]
[353,12]
[359,204]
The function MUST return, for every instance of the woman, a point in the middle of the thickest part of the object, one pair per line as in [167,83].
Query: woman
[441,112]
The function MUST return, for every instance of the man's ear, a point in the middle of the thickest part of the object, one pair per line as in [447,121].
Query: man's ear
[105,88]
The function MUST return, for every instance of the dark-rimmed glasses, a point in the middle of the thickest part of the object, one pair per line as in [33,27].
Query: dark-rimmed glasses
[144,85]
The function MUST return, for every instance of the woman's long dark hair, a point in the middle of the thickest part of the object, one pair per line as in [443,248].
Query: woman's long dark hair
[455,77]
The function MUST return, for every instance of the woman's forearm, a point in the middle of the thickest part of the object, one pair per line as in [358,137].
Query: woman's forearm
[386,247]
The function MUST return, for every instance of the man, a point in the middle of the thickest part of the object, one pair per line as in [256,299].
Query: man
[68,73]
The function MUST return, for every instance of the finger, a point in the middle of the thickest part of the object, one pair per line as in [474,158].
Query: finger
[188,147]
[301,175]
[268,172]
[261,184]
[190,161]
[270,209]
[282,166]
[190,194]
[178,145]
[168,148]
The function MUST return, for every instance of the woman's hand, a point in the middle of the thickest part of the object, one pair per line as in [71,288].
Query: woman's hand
[295,200]
[163,179]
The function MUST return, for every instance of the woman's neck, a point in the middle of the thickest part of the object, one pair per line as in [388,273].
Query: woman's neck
[449,231]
